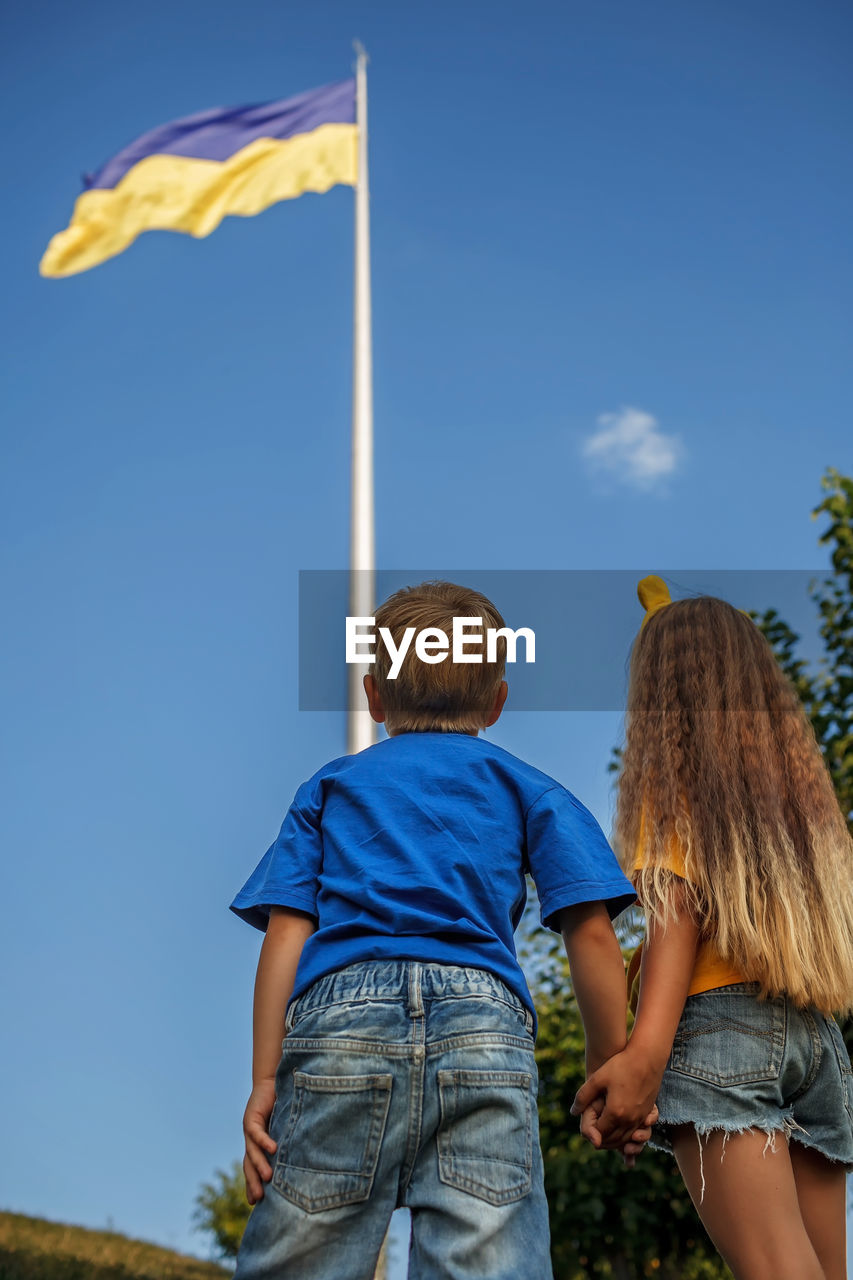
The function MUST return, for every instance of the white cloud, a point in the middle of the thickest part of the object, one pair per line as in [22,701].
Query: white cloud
[630,446]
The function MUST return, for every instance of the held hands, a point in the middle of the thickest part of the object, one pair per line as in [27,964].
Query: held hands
[256,1167]
[617,1104]
[629,1150]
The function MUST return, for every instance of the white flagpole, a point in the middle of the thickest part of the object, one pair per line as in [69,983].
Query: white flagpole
[361,730]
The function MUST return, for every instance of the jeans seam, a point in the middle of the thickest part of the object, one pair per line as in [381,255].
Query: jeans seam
[817,1049]
[344,1044]
[417,1071]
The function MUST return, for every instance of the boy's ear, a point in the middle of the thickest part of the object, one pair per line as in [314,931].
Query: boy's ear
[498,707]
[374,701]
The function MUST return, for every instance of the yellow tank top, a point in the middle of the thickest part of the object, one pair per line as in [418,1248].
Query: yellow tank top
[710,970]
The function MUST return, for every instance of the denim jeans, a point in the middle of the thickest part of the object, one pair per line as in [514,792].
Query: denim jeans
[404,1084]
[739,1062]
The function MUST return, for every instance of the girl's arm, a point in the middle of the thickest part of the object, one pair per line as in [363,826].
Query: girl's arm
[669,956]
[285,937]
[630,1080]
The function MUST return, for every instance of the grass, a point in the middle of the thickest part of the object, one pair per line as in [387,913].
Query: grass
[35,1249]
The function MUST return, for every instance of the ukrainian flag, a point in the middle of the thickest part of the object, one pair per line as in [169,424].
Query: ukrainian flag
[190,174]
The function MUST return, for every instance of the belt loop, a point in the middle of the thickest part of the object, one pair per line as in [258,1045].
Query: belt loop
[416,1005]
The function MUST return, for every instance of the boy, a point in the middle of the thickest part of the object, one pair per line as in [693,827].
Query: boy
[389,901]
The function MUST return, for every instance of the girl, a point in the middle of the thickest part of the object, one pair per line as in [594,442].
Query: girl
[728,823]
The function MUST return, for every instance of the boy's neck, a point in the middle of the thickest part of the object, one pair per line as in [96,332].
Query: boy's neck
[467,733]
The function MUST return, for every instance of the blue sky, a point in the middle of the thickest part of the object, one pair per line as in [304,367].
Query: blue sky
[611,279]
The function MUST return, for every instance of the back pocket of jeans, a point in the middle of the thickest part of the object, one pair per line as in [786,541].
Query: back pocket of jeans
[330,1149]
[730,1039]
[485,1136]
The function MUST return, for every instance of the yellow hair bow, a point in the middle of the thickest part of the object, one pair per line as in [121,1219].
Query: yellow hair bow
[654,596]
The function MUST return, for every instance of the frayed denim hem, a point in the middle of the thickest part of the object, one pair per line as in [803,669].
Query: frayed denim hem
[788,1128]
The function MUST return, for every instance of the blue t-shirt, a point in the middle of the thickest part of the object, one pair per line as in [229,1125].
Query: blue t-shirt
[417,848]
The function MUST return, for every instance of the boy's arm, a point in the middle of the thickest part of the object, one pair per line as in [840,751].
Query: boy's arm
[598,978]
[286,934]
[632,1079]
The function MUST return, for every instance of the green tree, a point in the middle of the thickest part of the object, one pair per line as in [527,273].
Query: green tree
[222,1209]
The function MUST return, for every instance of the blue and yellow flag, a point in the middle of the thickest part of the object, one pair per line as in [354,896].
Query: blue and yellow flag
[190,174]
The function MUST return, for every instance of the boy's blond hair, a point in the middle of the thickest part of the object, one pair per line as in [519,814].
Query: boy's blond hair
[447,696]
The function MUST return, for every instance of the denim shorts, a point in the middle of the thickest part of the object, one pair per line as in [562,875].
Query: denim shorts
[739,1062]
[404,1084]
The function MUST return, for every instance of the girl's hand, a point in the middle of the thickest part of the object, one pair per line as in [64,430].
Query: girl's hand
[256,1118]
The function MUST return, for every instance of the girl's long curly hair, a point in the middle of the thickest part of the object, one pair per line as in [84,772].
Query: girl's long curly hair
[721,762]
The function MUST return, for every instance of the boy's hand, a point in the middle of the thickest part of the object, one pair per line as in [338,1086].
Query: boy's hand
[630,1149]
[256,1118]
[630,1085]
[638,1139]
